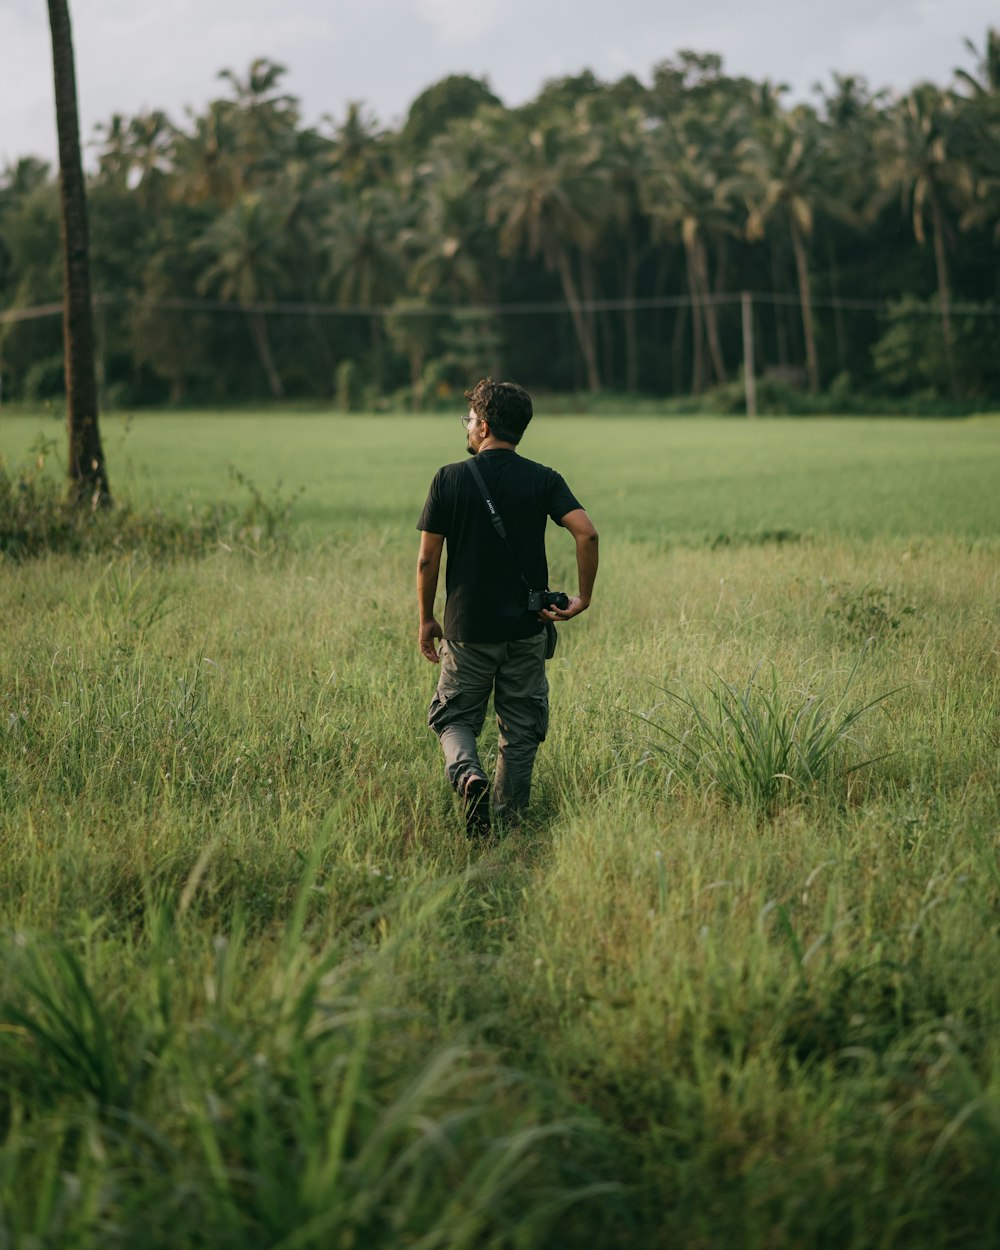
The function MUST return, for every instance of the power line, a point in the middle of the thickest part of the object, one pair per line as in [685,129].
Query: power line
[30,314]
[550,307]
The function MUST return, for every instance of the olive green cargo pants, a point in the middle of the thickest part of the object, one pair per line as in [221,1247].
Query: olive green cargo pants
[514,672]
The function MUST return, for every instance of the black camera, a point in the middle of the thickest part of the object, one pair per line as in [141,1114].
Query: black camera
[539,599]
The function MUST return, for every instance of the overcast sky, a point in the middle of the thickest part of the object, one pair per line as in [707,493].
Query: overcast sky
[140,54]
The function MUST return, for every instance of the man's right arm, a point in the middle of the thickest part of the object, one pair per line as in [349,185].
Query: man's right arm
[428,570]
[585,536]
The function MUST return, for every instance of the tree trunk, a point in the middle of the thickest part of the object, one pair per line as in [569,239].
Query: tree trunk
[609,372]
[631,336]
[377,353]
[659,289]
[677,351]
[780,332]
[697,335]
[805,296]
[598,324]
[579,323]
[258,329]
[838,313]
[944,290]
[326,355]
[721,262]
[416,380]
[589,296]
[88,480]
[711,314]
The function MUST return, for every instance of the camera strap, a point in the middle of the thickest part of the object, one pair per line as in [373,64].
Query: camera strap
[495,516]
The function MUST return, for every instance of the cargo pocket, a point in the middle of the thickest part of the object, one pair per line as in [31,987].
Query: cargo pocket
[451,703]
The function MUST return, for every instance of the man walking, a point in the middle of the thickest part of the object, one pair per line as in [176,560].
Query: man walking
[492,641]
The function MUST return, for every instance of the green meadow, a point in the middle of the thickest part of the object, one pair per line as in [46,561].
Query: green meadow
[732,984]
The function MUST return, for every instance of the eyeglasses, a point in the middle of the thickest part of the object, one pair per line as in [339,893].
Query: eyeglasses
[468,419]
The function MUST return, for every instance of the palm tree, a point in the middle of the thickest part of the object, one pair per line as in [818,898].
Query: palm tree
[87,473]
[359,152]
[985,79]
[622,132]
[137,154]
[916,161]
[247,266]
[977,135]
[551,200]
[304,192]
[266,118]
[851,121]
[208,161]
[442,260]
[462,167]
[361,240]
[789,164]
[691,190]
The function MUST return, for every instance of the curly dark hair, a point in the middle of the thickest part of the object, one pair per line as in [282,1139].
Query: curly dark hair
[505,406]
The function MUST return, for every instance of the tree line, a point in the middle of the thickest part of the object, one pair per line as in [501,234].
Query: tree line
[594,238]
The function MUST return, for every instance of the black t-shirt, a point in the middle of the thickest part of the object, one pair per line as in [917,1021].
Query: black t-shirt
[487,601]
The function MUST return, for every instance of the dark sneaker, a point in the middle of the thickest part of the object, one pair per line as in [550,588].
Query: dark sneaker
[476,802]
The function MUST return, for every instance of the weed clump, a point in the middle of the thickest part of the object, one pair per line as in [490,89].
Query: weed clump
[760,745]
[873,612]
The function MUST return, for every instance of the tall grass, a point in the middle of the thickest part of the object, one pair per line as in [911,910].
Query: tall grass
[761,745]
[256,989]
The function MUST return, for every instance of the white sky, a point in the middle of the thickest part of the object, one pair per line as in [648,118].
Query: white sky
[137,54]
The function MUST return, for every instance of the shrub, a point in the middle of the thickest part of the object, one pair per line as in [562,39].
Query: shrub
[868,614]
[910,356]
[45,379]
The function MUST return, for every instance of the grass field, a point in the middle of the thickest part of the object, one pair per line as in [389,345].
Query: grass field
[257,991]
[653,480]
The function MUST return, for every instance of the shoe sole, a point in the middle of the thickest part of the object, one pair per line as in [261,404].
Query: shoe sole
[476,802]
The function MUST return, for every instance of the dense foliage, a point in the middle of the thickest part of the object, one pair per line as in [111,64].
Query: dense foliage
[596,237]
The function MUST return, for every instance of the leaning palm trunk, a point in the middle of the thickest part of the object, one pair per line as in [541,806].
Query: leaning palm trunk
[629,272]
[780,329]
[838,315]
[378,356]
[416,379]
[88,481]
[944,288]
[587,282]
[805,297]
[583,336]
[262,342]
[677,353]
[697,332]
[711,315]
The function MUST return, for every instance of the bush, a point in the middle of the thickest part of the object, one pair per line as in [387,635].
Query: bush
[910,356]
[46,379]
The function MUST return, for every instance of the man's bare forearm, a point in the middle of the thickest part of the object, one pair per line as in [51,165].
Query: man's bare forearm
[586,564]
[427,581]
